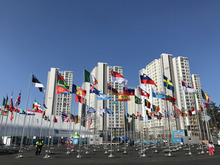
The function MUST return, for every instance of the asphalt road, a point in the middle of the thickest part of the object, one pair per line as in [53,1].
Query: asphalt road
[59,157]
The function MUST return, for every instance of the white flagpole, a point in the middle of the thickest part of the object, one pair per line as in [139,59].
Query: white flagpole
[22,137]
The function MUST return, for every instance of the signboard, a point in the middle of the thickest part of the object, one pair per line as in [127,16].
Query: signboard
[178,136]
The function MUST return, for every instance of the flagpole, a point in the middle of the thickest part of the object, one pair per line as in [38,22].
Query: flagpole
[200,132]
[168,119]
[111,154]
[22,137]
[79,155]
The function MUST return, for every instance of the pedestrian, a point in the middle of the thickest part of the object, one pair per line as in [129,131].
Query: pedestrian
[39,145]
[211,147]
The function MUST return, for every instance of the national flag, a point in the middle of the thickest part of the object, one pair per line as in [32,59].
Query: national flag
[128,91]
[193,111]
[55,119]
[187,88]
[90,109]
[5,102]
[190,113]
[155,108]
[167,83]
[170,99]
[18,101]
[115,102]
[122,97]
[89,78]
[157,94]
[62,86]
[65,117]
[183,114]
[77,90]
[149,115]
[116,77]
[137,100]
[143,92]
[4,113]
[30,112]
[102,97]
[147,104]
[177,109]
[108,111]
[205,96]
[206,105]
[166,114]
[79,98]
[76,119]
[112,90]
[37,83]
[138,114]
[94,90]
[201,108]
[146,80]
[11,103]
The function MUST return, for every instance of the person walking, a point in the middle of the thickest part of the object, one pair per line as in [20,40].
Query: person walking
[39,145]
[211,147]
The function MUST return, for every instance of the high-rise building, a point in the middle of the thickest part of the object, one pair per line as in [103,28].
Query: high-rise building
[175,69]
[102,72]
[56,104]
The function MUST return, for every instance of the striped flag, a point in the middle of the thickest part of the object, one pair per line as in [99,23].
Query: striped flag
[116,77]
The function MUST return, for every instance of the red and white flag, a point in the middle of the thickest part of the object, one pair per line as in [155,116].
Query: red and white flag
[116,77]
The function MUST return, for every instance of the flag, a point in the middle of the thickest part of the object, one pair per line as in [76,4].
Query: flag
[116,77]
[146,80]
[77,90]
[166,114]
[94,90]
[89,78]
[18,101]
[62,86]
[108,111]
[90,109]
[190,113]
[157,94]
[4,113]
[128,91]
[5,102]
[167,83]
[76,119]
[155,108]
[11,104]
[177,109]
[78,98]
[65,117]
[147,103]
[205,96]
[55,120]
[201,108]
[112,90]
[143,92]
[30,112]
[138,114]
[102,97]
[187,88]
[193,111]
[122,97]
[37,83]
[137,100]
[183,114]
[149,115]
[170,99]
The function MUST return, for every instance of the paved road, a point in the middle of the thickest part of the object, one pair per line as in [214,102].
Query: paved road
[131,158]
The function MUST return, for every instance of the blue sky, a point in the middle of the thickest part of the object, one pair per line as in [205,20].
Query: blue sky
[36,35]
